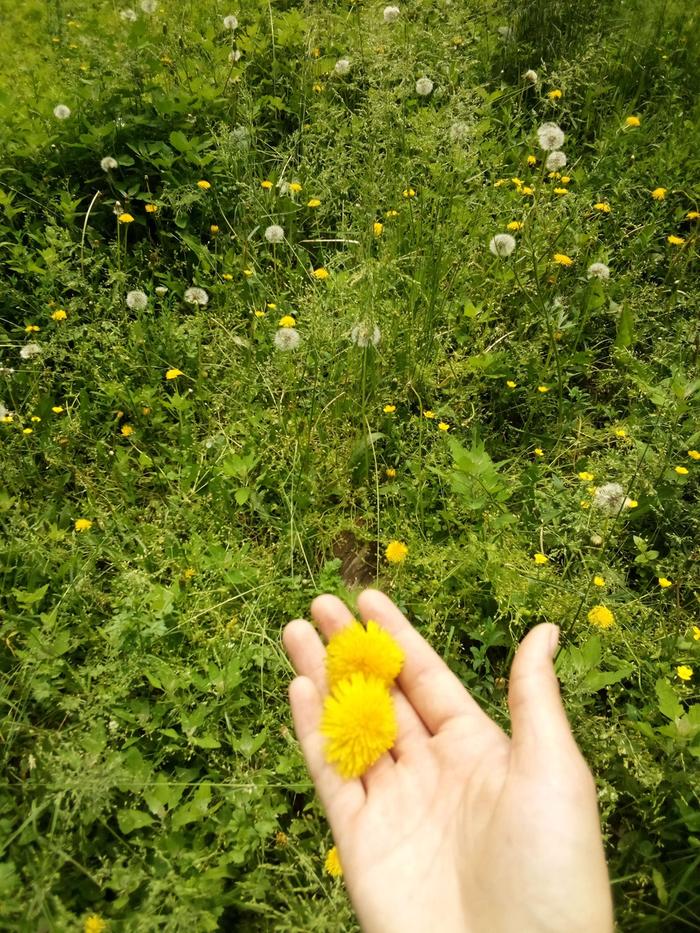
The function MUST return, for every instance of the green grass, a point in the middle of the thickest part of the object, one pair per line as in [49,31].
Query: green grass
[148,760]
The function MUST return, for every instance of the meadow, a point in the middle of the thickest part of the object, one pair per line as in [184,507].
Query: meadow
[286,283]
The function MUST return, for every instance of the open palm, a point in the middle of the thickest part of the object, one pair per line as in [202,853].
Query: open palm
[459,827]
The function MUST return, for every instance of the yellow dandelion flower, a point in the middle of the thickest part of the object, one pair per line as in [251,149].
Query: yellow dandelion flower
[295,187]
[359,722]
[317,88]
[227,277]
[681,470]
[632,121]
[266,184]
[320,273]
[82,524]
[428,413]
[511,384]
[390,472]
[214,228]
[598,581]
[658,194]
[287,321]
[151,208]
[281,839]
[540,558]
[188,573]
[565,179]
[313,202]
[58,409]
[585,504]
[543,389]
[514,225]
[443,426]
[532,160]
[518,182]
[500,182]
[527,190]
[145,410]
[377,228]
[32,329]
[94,924]
[248,272]
[696,633]
[694,454]
[631,504]
[664,582]
[684,672]
[562,259]
[389,409]
[586,477]
[127,430]
[395,552]
[332,864]
[391,214]
[125,218]
[539,452]
[259,313]
[693,215]
[555,94]
[603,207]
[408,193]
[59,315]
[174,373]
[204,184]
[358,650]
[272,305]
[601,617]
[561,190]
[28,431]
[675,240]
[620,432]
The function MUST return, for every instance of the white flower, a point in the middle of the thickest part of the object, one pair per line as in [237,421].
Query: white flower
[342,66]
[61,112]
[137,300]
[235,55]
[149,6]
[287,338]
[283,187]
[596,540]
[550,136]
[610,498]
[128,15]
[196,296]
[29,350]
[363,334]
[108,164]
[555,160]
[161,290]
[531,76]
[598,270]
[274,234]
[231,22]
[459,131]
[391,14]
[502,244]
[424,86]
[240,136]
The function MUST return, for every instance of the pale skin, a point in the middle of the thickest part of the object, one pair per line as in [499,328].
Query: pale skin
[459,828]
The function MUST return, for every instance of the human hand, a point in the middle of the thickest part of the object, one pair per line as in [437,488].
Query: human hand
[458,827]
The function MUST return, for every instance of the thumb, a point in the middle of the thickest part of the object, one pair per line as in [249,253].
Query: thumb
[538,720]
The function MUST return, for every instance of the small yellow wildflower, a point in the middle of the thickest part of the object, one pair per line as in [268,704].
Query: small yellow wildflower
[332,864]
[28,431]
[532,160]
[259,313]
[377,228]
[598,581]
[151,208]
[281,839]
[631,504]
[227,277]
[6,419]
[125,218]
[320,273]
[295,187]
[443,426]
[585,504]
[658,194]
[511,384]
[555,94]
[408,193]
[527,190]
[266,184]
[188,573]
[248,272]
[214,228]
[664,582]
[271,305]
[518,182]
[287,321]
[603,207]
[313,202]
[696,633]
[145,410]
[390,472]
[586,477]
[127,430]
[499,183]
[428,413]
[694,454]
[396,551]
[317,88]
[543,389]
[693,215]
[59,315]
[514,225]
[675,240]
[620,432]
[357,649]
[174,373]
[94,924]
[684,672]
[539,452]
[32,329]
[541,558]
[601,617]
[204,184]
[58,409]
[632,121]
[561,190]
[391,213]
[562,259]
[681,470]
[389,409]
[83,524]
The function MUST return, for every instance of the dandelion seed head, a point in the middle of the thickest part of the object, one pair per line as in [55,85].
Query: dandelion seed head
[459,131]
[274,234]
[29,350]
[287,338]
[196,296]
[231,22]
[598,270]
[550,136]
[128,15]
[363,334]
[342,66]
[391,14]
[149,6]
[610,498]
[161,290]
[424,86]
[531,76]
[61,112]
[108,164]
[502,244]
[137,300]
[235,55]
[555,160]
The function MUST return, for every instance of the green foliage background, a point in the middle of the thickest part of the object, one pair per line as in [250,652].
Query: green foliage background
[149,771]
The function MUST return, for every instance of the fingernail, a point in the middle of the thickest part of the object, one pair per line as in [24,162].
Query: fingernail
[553,639]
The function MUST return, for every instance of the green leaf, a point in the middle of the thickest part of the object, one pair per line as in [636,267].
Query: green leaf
[129,820]
[180,141]
[29,597]
[625,328]
[669,704]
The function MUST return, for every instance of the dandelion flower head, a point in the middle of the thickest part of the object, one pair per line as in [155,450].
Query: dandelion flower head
[658,194]
[82,524]
[59,315]
[502,244]
[359,723]
[391,14]
[610,498]
[598,270]
[287,321]
[363,334]
[541,558]
[125,218]
[664,582]
[196,296]
[342,66]
[424,87]
[108,164]
[562,259]
[550,136]
[287,338]
[332,864]
[555,160]
[173,374]
[684,672]
[61,112]
[128,15]
[601,617]
[94,924]
[137,300]
[231,22]
[149,6]
[632,121]
[531,76]
[358,650]
[274,233]
[396,552]
[29,350]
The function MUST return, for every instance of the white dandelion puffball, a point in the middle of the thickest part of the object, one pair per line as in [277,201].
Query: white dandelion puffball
[598,270]
[531,76]
[235,55]
[61,112]
[128,16]
[424,87]
[550,136]
[610,498]
[137,300]
[555,160]
[108,164]
[363,334]
[342,66]
[391,14]
[161,290]
[502,244]
[287,338]
[29,350]
[240,137]
[149,6]
[274,233]
[196,296]
[459,131]
[231,22]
